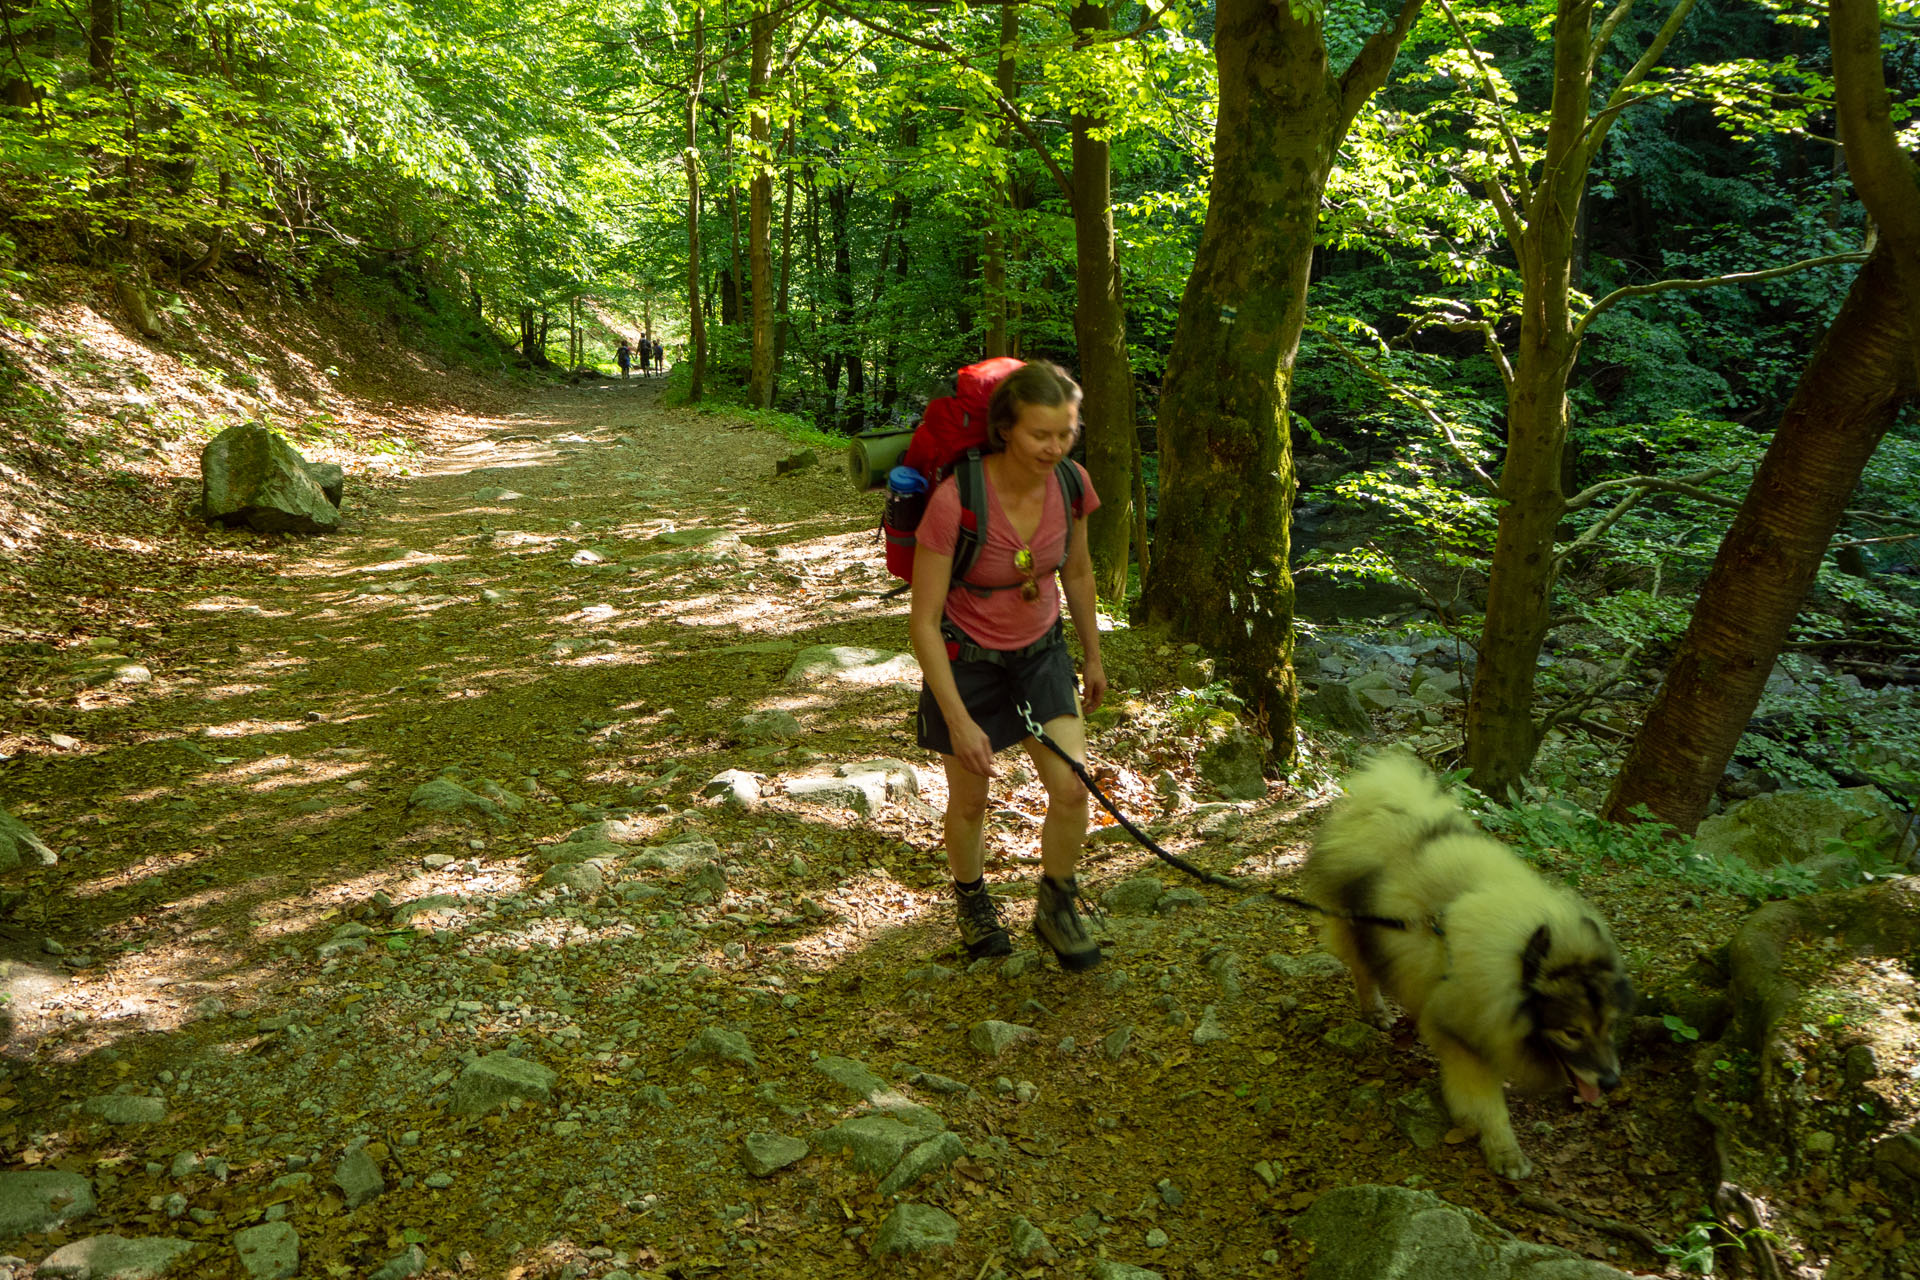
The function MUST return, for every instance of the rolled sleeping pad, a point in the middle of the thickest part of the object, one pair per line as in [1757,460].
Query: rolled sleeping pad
[872,454]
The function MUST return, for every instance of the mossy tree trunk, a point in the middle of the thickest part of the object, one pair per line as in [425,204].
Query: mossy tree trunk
[1100,325]
[1220,572]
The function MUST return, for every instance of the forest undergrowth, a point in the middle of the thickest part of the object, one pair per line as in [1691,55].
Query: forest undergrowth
[585,602]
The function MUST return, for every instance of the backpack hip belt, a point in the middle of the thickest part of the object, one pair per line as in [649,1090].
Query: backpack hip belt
[961,647]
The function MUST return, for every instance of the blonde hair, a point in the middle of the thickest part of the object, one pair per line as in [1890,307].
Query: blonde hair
[1038,383]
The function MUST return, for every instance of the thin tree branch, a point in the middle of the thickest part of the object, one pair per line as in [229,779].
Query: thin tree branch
[1476,324]
[1604,36]
[1883,517]
[1739,277]
[1687,485]
[1873,542]
[1493,100]
[1407,397]
[1596,130]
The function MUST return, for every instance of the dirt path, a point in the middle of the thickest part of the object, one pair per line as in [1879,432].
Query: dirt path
[572,611]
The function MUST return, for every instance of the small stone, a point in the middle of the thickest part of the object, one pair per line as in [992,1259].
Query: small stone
[1265,1171]
[936,1153]
[439,1181]
[410,1263]
[1317,964]
[993,1038]
[1137,896]
[1108,1269]
[1170,1195]
[850,1075]
[1029,1242]
[1355,1039]
[496,1079]
[1210,1031]
[717,1044]
[270,1251]
[768,1153]
[1156,1239]
[876,1142]
[1116,1042]
[120,1108]
[358,1178]
[915,1228]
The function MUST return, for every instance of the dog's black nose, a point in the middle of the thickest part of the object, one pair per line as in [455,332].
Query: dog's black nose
[1609,1080]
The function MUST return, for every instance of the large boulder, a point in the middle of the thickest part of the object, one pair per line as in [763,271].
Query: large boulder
[1392,1233]
[1793,826]
[251,476]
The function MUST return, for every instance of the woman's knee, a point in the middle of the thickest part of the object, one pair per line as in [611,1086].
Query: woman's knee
[970,809]
[1067,796]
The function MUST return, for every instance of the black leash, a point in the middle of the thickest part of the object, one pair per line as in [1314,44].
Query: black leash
[1175,860]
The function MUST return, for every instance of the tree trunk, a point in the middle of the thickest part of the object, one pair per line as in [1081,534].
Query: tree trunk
[1100,328]
[845,343]
[993,274]
[696,317]
[781,320]
[1863,372]
[1226,481]
[731,308]
[100,34]
[760,210]
[1860,376]
[1502,737]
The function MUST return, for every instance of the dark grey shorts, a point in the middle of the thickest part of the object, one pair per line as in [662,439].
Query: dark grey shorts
[993,694]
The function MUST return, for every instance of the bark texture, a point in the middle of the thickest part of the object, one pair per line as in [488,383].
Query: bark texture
[1100,325]
[760,211]
[1220,572]
[1860,376]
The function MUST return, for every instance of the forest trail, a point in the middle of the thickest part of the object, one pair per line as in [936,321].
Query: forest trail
[274,968]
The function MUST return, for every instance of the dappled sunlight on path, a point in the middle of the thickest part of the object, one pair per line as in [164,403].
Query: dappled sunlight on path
[581,615]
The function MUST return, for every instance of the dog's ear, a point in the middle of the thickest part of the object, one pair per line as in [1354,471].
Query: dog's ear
[1534,955]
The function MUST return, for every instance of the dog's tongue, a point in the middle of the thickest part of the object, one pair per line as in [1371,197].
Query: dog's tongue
[1589,1091]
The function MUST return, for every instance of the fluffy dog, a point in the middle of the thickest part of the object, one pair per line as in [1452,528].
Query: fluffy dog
[1507,976]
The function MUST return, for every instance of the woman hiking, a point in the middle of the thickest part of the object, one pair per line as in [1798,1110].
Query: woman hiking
[994,654]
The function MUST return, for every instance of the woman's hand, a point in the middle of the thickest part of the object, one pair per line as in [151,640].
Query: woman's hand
[1093,682]
[971,746]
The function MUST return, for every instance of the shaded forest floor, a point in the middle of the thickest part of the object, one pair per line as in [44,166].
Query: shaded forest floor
[579,598]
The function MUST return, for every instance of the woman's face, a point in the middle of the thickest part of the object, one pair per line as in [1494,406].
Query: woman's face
[1043,434]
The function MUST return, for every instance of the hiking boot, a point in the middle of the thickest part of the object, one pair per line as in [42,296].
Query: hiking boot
[979,921]
[1058,924]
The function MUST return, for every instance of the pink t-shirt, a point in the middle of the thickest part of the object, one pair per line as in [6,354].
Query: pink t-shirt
[1001,619]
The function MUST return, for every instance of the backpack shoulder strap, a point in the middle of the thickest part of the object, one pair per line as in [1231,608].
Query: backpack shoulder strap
[1074,494]
[970,475]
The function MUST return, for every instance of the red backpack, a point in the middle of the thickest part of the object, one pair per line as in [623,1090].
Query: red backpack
[947,442]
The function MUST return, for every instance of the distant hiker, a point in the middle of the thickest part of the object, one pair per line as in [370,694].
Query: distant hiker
[659,352]
[624,354]
[994,654]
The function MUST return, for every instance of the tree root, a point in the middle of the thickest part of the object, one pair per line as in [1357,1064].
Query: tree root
[1736,1205]
[1611,1226]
